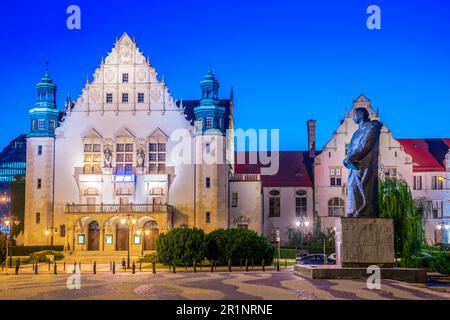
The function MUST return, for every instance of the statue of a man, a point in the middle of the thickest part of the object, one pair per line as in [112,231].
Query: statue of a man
[362,162]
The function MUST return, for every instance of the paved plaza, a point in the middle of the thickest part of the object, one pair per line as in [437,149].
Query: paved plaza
[253,285]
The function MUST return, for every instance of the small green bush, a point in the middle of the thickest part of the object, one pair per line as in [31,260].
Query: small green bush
[27,250]
[41,256]
[441,263]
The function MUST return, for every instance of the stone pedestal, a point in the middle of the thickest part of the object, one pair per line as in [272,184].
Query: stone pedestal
[361,242]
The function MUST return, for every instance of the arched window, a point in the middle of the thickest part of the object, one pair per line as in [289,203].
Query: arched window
[336,207]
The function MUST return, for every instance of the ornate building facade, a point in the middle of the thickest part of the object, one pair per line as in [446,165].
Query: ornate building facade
[107,177]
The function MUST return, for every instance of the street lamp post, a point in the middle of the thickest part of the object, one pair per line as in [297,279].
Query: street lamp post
[131,222]
[10,222]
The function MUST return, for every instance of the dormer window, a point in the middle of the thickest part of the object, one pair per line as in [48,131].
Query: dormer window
[124,77]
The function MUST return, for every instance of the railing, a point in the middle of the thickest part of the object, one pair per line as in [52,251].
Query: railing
[118,208]
[245,177]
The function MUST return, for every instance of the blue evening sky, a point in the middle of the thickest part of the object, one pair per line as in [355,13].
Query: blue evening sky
[288,61]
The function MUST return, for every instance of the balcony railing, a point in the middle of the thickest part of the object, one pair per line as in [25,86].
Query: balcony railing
[118,208]
[245,177]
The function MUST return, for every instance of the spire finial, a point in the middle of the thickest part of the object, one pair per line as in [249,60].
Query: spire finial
[210,68]
[46,65]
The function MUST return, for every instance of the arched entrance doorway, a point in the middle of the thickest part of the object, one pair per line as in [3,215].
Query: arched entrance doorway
[122,237]
[151,233]
[94,236]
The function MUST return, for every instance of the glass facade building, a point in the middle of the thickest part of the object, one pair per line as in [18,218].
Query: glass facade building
[12,162]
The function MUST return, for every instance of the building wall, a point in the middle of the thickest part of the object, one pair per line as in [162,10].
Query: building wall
[248,209]
[287,216]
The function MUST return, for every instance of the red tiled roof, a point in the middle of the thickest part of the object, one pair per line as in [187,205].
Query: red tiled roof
[295,169]
[427,154]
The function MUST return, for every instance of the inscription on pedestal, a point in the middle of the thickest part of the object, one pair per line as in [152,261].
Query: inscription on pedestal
[361,242]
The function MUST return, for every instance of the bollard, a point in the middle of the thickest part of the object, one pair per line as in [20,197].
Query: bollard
[240,264]
[64,266]
[36,269]
[10,261]
[246,265]
[32,266]
[114,268]
[140,266]
[212,266]
[110,266]
[174,267]
[49,265]
[124,265]
[18,262]
[195,266]
[133,268]
[4,267]
[95,267]
[263,265]
[278,265]
[74,267]
[79,265]
[185,266]
[154,266]
[229,265]
[55,268]
[17,269]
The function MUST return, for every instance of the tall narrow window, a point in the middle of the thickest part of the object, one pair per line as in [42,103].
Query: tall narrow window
[39,183]
[38,217]
[208,148]
[417,182]
[208,217]
[140,97]
[209,122]
[124,158]
[234,199]
[52,124]
[109,98]
[300,204]
[208,182]
[335,177]
[41,124]
[274,203]
[39,150]
[124,97]
[92,158]
[125,77]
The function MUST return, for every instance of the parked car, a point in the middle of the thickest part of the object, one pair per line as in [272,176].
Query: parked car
[314,259]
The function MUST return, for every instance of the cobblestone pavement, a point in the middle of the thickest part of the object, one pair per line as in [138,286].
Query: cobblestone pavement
[252,285]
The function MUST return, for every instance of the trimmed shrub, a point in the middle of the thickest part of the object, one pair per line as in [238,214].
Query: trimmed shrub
[150,257]
[181,245]
[238,245]
[42,256]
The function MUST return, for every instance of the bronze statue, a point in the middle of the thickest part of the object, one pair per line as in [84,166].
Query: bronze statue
[362,162]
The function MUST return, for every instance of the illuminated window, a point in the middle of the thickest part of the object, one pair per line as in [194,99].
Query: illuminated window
[157,157]
[109,239]
[300,206]
[38,218]
[81,239]
[92,158]
[137,239]
[124,158]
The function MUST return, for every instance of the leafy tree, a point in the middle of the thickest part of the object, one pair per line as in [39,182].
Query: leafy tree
[396,202]
[2,247]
